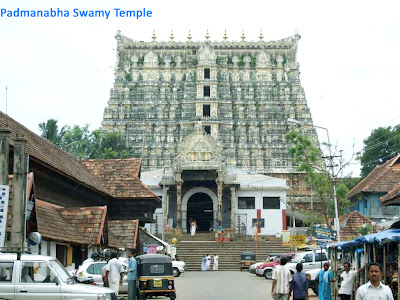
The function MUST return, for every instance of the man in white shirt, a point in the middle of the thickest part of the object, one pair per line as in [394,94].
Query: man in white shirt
[114,273]
[347,282]
[281,278]
[374,289]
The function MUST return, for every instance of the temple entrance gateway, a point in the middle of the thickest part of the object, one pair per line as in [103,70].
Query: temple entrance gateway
[200,208]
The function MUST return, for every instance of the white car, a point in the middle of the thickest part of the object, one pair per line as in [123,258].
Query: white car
[310,260]
[178,267]
[43,277]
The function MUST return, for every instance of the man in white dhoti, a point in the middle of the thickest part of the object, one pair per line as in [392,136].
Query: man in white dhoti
[215,266]
[204,263]
[208,262]
[193,227]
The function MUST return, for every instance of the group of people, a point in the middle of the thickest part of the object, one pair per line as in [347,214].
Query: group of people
[206,262]
[284,284]
[113,274]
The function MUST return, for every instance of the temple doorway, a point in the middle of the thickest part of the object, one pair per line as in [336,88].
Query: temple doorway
[200,208]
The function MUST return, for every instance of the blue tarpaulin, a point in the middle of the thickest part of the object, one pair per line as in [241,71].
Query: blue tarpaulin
[385,236]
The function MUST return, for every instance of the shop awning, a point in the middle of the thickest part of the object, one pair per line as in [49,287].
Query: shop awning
[385,236]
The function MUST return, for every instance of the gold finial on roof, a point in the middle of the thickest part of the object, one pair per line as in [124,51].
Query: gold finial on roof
[154,36]
[172,36]
[207,35]
[225,36]
[261,35]
[243,37]
[189,37]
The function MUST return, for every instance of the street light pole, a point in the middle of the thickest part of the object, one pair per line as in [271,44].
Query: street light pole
[331,166]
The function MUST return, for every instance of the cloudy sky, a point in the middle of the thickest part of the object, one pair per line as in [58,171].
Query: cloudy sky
[62,68]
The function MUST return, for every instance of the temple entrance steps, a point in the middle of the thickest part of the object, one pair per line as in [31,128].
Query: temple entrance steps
[191,252]
[200,236]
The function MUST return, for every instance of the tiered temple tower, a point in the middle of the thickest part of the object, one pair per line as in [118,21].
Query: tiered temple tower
[241,93]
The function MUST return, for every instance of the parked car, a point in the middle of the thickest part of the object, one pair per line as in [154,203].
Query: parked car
[265,269]
[178,267]
[253,267]
[310,259]
[311,275]
[43,277]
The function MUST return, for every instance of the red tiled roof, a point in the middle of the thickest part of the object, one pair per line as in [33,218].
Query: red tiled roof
[52,225]
[50,154]
[89,221]
[352,221]
[120,177]
[126,231]
[393,197]
[382,179]
[113,242]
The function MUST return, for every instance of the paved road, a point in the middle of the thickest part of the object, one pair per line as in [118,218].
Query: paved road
[223,285]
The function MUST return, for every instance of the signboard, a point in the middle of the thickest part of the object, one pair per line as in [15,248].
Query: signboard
[322,243]
[285,238]
[297,240]
[324,233]
[4,193]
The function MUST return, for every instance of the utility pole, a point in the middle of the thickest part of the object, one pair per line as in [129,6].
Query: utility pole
[6,100]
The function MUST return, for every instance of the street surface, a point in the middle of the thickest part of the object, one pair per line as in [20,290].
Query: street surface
[226,285]
[223,285]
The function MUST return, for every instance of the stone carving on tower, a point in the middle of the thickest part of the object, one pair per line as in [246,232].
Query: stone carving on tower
[241,92]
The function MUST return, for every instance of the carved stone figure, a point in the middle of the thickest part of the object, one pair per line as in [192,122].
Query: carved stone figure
[151,59]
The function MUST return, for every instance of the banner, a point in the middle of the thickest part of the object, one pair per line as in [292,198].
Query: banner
[324,233]
[285,238]
[4,194]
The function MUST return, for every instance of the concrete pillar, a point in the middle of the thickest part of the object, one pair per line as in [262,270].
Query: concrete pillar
[4,155]
[165,204]
[179,182]
[18,201]
[233,206]
[44,248]
[53,249]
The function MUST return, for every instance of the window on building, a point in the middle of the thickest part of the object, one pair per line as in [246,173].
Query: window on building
[206,90]
[206,73]
[246,202]
[207,129]
[206,111]
[271,203]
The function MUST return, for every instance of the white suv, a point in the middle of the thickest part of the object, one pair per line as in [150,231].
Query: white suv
[310,260]
[43,277]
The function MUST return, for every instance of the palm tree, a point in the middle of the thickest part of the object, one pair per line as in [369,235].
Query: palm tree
[50,131]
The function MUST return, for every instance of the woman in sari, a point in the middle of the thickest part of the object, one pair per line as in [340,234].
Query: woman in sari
[215,266]
[204,263]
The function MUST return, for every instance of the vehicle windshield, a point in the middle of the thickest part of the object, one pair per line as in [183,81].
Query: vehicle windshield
[60,270]
[297,258]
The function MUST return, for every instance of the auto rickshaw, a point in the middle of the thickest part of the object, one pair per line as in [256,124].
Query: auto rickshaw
[155,277]
[247,259]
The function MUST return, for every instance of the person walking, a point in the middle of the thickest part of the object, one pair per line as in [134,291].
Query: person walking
[243,230]
[208,262]
[132,275]
[280,281]
[222,238]
[114,273]
[299,284]
[347,281]
[374,288]
[215,266]
[325,278]
[204,263]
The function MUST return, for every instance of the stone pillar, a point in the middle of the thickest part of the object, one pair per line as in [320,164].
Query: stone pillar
[18,201]
[165,204]
[219,195]
[4,155]
[179,199]
[233,207]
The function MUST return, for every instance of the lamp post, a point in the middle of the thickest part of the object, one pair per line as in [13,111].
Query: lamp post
[336,220]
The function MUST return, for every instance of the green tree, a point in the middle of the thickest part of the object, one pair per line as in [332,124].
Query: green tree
[109,145]
[50,131]
[379,147]
[308,159]
[77,141]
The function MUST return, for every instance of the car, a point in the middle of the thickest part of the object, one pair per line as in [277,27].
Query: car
[253,267]
[311,259]
[266,268]
[178,267]
[311,276]
[91,270]
[43,277]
